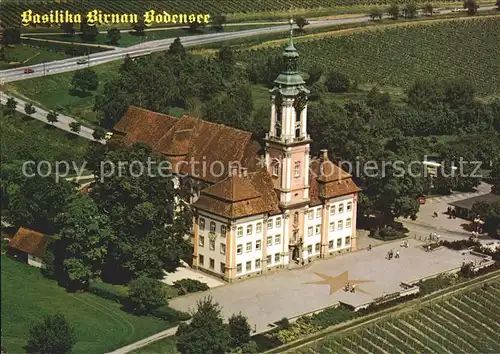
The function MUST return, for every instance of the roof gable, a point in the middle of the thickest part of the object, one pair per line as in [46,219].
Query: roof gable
[29,241]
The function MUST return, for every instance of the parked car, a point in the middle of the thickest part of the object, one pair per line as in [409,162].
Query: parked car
[82,61]
[29,71]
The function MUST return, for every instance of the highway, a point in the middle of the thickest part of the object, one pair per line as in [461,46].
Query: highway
[146,48]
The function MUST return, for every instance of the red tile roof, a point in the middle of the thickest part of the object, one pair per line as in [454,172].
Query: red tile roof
[30,241]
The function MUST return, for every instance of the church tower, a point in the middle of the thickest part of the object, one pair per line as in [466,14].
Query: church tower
[287,143]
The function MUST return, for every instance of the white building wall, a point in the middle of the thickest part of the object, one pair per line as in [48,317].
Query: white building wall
[315,223]
[344,216]
[205,250]
[35,261]
[254,254]
[277,236]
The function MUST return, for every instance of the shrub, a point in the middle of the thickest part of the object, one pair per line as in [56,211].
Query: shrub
[284,323]
[170,315]
[118,293]
[53,335]
[300,328]
[239,329]
[332,316]
[459,244]
[250,348]
[190,286]
[376,13]
[337,82]
[386,233]
[146,294]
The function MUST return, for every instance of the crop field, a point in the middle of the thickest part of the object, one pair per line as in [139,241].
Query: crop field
[12,8]
[396,56]
[468,322]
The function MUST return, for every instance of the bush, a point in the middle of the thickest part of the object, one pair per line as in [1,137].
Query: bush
[250,348]
[284,323]
[332,316]
[459,244]
[53,335]
[146,295]
[170,315]
[118,293]
[434,284]
[300,328]
[337,82]
[186,286]
[386,234]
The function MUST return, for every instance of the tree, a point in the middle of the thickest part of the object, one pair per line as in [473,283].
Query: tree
[337,82]
[425,94]
[495,176]
[471,6]
[428,9]
[315,72]
[458,93]
[11,36]
[146,295]
[68,28]
[114,36]
[29,109]
[89,33]
[99,133]
[75,127]
[410,10]
[376,13]
[53,335]
[84,234]
[139,27]
[85,80]
[11,104]
[377,99]
[52,117]
[194,27]
[206,333]
[139,206]
[393,11]
[218,22]
[301,23]
[239,329]
[176,48]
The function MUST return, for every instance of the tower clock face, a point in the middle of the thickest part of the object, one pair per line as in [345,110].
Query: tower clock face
[300,102]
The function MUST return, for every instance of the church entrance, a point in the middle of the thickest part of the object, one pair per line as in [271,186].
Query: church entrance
[295,253]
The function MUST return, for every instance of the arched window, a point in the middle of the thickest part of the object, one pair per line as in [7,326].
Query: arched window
[297,132]
[277,130]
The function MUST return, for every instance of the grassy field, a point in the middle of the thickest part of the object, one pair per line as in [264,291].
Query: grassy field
[100,324]
[54,92]
[28,55]
[24,138]
[467,322]
[164,346]
[397,56]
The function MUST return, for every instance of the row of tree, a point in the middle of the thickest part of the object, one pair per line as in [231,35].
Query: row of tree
[410,10]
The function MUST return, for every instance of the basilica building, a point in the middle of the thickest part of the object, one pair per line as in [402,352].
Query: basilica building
[276,206]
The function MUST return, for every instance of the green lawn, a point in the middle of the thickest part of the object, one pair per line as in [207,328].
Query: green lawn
[54,92]
[25,138]
[100,324]
[17,55]
[164,346]
[128,39]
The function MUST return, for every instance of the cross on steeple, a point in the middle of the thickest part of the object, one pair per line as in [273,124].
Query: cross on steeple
[291,29]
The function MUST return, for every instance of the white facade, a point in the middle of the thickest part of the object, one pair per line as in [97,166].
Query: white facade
[35,261]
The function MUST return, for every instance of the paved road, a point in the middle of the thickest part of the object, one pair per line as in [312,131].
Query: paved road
[41,114]
[146,341]
[59,66]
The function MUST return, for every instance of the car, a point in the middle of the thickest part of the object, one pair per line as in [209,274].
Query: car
[82,61]
[29,71]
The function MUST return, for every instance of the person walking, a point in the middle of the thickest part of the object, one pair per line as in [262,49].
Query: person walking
[397,254]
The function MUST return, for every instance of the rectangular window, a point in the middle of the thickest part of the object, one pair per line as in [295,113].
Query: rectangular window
[212,263]
[347,240]
[310,214]
[202,224]
[258,229]
[223,230]
[257,264]
[318,213]
[340,225]
[341,208]
[339,242]
[249,229]
[212,226]
[332,226]
[269,240]
[309,249]
[349,206]
[278,222]
[332,209]
[318,229]
[269,224]
[240,231]
[277,258]
[202,241]
[212,245]
[222,248]
[348,223]
[222,267]
[316,247]
[249,265]
[296,169]
[310,231]
[269,259]
[276,169]
[257,245]
[238,268]
[330,244]
[201,259]
[249,247]
[277,239]
[239,249]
